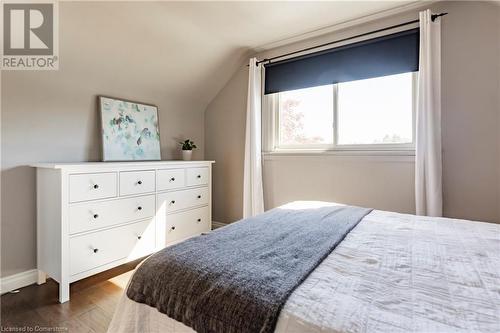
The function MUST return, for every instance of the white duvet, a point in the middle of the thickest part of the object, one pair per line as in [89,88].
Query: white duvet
[392,273]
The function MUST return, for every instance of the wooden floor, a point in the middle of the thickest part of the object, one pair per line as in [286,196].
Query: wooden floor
[90,309]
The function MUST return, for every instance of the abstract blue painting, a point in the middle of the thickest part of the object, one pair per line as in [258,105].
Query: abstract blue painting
[129,130]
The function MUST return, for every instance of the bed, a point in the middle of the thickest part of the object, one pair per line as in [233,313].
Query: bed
[391,273]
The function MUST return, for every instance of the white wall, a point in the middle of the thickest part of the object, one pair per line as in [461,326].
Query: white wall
[498,117]
[471,110]
[471,126]
[369,181]
[226,140]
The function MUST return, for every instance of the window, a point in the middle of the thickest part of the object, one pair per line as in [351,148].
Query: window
[371,114]
[306,117]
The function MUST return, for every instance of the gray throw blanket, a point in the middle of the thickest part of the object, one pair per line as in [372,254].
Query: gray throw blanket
[237,278]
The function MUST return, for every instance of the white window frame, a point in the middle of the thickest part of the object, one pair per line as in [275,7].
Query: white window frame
[270,122]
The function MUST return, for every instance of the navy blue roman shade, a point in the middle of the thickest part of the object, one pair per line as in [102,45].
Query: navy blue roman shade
[387,55]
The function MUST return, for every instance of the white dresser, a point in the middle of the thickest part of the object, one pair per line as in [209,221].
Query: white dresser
[97,215]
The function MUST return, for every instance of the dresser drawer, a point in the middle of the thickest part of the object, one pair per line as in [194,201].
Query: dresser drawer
[92,250]
[197,176]
[137,182]
[92,186]
[94,215]
[183,199]
[186,224]
[169,179]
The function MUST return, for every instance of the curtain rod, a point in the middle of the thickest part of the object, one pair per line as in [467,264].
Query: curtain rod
[268,60]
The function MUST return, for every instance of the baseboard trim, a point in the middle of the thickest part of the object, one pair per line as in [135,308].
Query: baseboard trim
[19,280]
[216,224]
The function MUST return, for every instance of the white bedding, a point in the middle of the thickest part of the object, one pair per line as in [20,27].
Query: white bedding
[392,273]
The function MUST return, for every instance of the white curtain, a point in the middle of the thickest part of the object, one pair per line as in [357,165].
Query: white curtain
[253,194]
[428,160]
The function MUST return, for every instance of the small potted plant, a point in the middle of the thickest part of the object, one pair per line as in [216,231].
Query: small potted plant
[187,149]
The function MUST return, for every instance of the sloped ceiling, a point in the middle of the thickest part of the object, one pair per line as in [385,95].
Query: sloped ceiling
[190,49]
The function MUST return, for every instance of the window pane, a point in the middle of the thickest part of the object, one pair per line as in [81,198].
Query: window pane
[376,111]
[306,116]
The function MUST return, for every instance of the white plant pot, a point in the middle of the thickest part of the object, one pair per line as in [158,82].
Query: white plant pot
[187,155]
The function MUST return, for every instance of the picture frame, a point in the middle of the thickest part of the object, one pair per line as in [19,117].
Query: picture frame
[129,130]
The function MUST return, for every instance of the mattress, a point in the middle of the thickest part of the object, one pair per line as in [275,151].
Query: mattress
[392,273]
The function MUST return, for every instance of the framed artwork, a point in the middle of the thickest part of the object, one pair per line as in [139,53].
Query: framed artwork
[129,130]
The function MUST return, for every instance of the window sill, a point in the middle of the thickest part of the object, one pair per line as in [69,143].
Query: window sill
[402,155]
[343,152]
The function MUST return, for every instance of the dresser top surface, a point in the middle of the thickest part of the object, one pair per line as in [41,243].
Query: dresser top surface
[138,164]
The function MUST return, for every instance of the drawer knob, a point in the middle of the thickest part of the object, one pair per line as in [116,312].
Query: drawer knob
[199,220]
[199,176]
[139,208]
[172,202]
[96,186]
[139,237]
[95,250]
[96,216]
[199,196]
[139,182]
[173,227]
[172,179]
